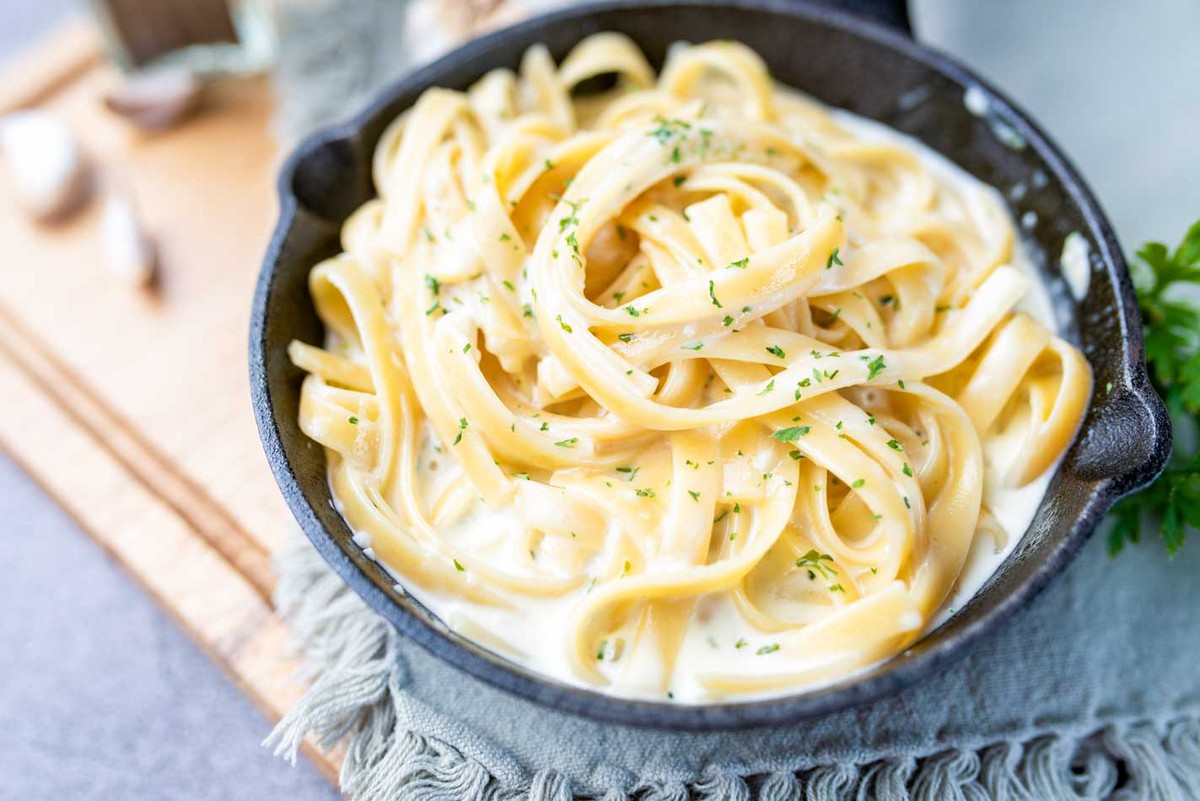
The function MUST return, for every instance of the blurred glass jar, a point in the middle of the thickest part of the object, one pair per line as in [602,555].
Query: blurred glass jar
[204,37]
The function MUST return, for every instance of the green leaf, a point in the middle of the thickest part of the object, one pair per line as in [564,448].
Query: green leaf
[1167,283]
[1188,251]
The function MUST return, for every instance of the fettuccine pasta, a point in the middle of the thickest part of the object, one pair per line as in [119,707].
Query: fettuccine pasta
[685,387]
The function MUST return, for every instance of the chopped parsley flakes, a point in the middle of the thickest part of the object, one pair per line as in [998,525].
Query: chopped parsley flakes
[875,367]
[712,294]
[813,562]
[791,434]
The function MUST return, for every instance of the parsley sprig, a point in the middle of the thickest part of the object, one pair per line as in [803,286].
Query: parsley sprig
[1171,325]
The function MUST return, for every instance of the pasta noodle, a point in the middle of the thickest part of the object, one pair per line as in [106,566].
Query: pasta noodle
[683,387]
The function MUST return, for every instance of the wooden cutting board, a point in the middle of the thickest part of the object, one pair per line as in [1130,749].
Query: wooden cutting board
[132,408]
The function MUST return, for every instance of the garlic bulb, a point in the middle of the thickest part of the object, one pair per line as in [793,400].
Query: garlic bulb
[48,169]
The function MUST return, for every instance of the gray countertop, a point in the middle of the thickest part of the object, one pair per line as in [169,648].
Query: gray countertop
[102,697]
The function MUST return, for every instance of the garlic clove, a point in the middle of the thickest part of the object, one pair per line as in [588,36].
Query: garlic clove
[48,169]
[156,100]
[128,251]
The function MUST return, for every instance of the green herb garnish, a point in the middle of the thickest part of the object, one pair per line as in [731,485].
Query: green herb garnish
[1171,331]
[813,563]
[712,294]
[791,434]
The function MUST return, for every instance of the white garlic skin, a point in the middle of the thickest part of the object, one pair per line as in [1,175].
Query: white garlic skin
[128,252]
[47,167]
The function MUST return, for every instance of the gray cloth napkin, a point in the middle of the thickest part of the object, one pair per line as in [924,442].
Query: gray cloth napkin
[1094,692]
[1096,684]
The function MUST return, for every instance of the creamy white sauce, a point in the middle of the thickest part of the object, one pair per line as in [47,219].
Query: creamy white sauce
[1076,267]
[530,631]
[914,97]
[975,100]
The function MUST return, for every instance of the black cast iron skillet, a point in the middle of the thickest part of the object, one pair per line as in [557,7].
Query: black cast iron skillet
[869,66]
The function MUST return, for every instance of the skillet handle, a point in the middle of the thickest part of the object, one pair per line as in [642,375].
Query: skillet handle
[1126,438]
[893,13]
